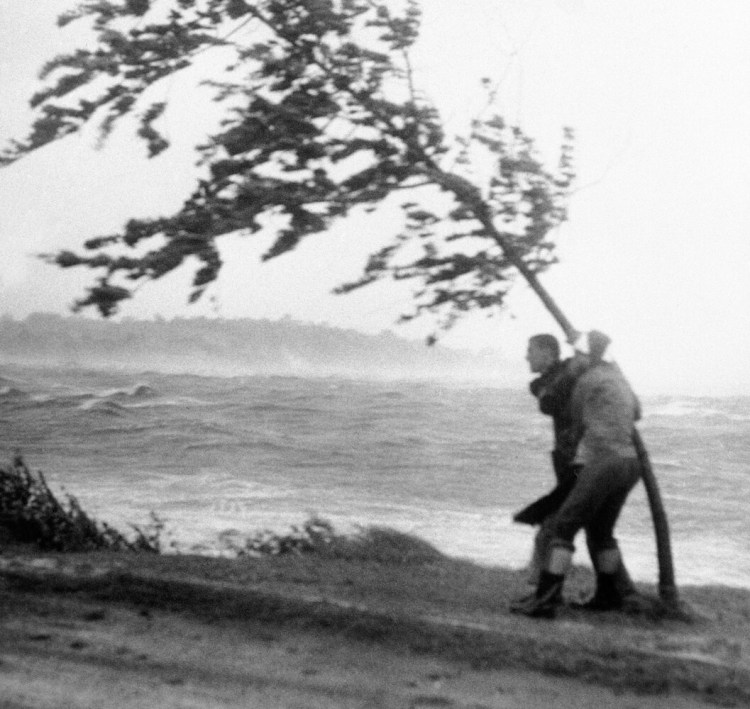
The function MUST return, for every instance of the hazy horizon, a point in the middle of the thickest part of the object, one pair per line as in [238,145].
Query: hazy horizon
[226,347]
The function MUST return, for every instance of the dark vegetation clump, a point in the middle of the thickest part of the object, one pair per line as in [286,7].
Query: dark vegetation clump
[31,514]
[317,536]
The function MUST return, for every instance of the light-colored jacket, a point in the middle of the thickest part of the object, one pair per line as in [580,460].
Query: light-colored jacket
[604,411]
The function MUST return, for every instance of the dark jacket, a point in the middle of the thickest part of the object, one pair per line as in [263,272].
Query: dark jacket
[553,390]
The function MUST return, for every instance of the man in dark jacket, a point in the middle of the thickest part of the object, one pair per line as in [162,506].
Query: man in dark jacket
[553,389]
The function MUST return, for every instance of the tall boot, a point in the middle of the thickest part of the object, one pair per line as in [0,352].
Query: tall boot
[607,596]
[547,599]
[625,584]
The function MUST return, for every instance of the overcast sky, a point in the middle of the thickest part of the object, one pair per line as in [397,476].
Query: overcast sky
[657,249]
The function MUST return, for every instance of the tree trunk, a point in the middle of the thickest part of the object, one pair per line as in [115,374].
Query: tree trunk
[667,587]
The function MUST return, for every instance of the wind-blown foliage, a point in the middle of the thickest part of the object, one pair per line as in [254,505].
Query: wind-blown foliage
[317,536]
[322,118]
[31,513]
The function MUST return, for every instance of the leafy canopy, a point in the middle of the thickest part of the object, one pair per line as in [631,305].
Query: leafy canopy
[322,116]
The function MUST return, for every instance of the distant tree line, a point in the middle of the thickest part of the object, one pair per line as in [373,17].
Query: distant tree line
[209,344]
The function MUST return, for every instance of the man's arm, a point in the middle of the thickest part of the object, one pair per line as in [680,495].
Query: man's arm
[554,391]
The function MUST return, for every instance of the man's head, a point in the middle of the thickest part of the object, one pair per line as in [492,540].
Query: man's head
[542,353]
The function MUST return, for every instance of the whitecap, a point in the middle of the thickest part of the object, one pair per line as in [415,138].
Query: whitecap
[112,408]
[138,391]
[684,408]
[10,392]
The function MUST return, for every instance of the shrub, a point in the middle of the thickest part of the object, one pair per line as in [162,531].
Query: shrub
[30,513]
[317,536]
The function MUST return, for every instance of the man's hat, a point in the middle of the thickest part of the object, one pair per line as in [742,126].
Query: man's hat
[598,343]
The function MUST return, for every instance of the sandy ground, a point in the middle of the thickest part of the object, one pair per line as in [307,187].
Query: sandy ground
[61,650]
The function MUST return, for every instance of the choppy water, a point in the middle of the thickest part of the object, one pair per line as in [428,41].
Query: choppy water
[450,463]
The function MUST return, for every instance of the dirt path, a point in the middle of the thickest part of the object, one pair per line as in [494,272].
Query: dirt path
[62,650]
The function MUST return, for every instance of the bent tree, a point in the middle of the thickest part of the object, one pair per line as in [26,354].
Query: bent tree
[323,117]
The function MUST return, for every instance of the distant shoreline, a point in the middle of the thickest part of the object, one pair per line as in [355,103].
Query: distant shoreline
[242,347]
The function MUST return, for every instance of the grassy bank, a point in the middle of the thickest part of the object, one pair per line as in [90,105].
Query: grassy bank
[443,606]
[387,588]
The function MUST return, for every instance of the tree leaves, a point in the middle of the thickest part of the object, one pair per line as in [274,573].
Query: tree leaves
[322,117]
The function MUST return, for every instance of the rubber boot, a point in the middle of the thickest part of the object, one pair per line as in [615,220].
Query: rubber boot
[547,599]
[625,584]
[607,596]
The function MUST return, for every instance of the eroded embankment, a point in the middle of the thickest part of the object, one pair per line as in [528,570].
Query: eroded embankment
[441,608]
